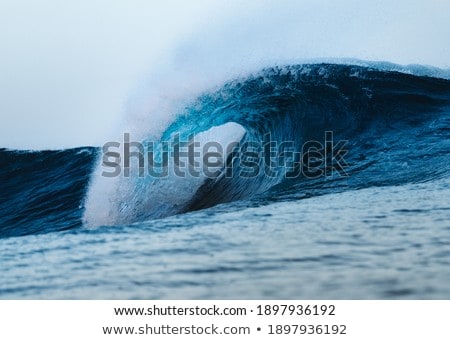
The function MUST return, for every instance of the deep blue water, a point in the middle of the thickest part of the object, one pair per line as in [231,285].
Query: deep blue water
[382,231]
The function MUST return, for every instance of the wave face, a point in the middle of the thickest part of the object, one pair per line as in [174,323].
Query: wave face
[42,191]
[396,125]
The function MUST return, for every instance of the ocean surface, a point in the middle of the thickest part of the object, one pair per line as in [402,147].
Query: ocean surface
[381,230]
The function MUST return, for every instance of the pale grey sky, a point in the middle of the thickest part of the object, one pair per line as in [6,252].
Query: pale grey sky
[68,70]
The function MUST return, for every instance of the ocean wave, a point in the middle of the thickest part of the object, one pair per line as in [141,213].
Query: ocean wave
[395,124]
[295,103]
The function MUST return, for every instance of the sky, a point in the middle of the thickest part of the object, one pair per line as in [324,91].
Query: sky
[75,73]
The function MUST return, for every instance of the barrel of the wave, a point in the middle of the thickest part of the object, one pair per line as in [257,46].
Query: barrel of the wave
[192,167]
